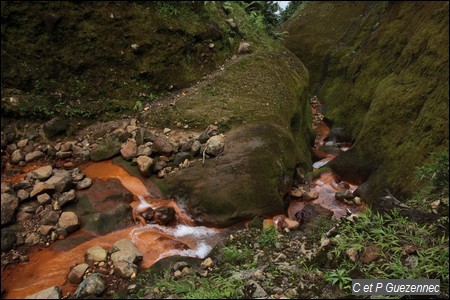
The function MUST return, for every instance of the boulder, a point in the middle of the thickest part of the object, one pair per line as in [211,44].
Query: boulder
[9,204]
[76,274]
[69,221]
[107,149]
[95,253]
[162,144]
[40,188]
[215,145]
[35,155]
[164,215]
[55,126]
[129,149]
[66,198]
[144,164]
[53,292]
[17,156]
[84,183]
[126,245]
[124,269]
[94,285]
[61,180]
[42,173]
[254,159]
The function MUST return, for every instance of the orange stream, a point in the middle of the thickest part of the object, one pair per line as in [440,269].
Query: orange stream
[48,266]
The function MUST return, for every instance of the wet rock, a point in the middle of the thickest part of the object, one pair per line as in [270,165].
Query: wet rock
[144,165]
[17,156]
[148,214]
[23,195]
[310,213]
[53,292]
[84,183]
[77,175]
[203,138]
[339,135]
[61,180]
[45,229]
[180,157]
[76,274]
[144,150]
[93,285]
[95,253]
[195,148]
[69,221]
[126,245]
[66,198]
[107,149]
[215,145]
[32,239]
[6,187]
[344,195]
[129,150]
[124,269]
[43,173]
[49,216]
[40,188]
[123,255]
[55,126]
[290,224]
[63,154]
[164,215]
[311,195]
[297,192]
[159,165]
[162,144]
[9,204]
[44,199]
[35,155]
[8,238]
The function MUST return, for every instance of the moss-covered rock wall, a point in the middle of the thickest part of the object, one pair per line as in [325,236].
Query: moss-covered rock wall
[94,59]
[381,69]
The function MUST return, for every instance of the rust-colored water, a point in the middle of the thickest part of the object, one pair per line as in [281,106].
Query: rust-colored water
[50,266]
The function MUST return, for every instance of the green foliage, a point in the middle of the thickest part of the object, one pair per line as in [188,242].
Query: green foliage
[437,171]
[137,106]
[268,237]
[339,277]
[188,287]
[392,233]
[234,255]
[290,10]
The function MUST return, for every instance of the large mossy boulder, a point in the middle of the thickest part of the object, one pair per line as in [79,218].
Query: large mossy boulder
[105,150]
[382,72]
[261,103]
[250,179]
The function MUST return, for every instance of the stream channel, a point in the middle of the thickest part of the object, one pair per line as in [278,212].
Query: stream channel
[50,266]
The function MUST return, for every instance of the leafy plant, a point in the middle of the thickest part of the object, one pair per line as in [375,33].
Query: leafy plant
[268,237]
[340,278]
[437,171]
[137,106]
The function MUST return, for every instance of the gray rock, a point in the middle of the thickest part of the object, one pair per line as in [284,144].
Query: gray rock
[76,274]
[159,165]
[259,292]
[129,149]
[144,150]
[93,285]
[41,187]
[63,154]
[244,48]
[162,144]
[61,180]
[35,155]
[344,195]
[9,204]
[49,216]
[195,148]
[95,253]
[69,221]
[180,157]
[43,173]
[66,198]
[53,292]
[23,195]
[44,199]
[123,255]
[124,268]
[55,126]
[203,138]
[8,238]
[215,145]
[126,245]
[16,156]
[84,183]
[144,164]
[32,239]
[105,150]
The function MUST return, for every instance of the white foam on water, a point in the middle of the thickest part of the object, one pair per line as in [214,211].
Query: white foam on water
[143,204]
[319,164]
[201,251]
